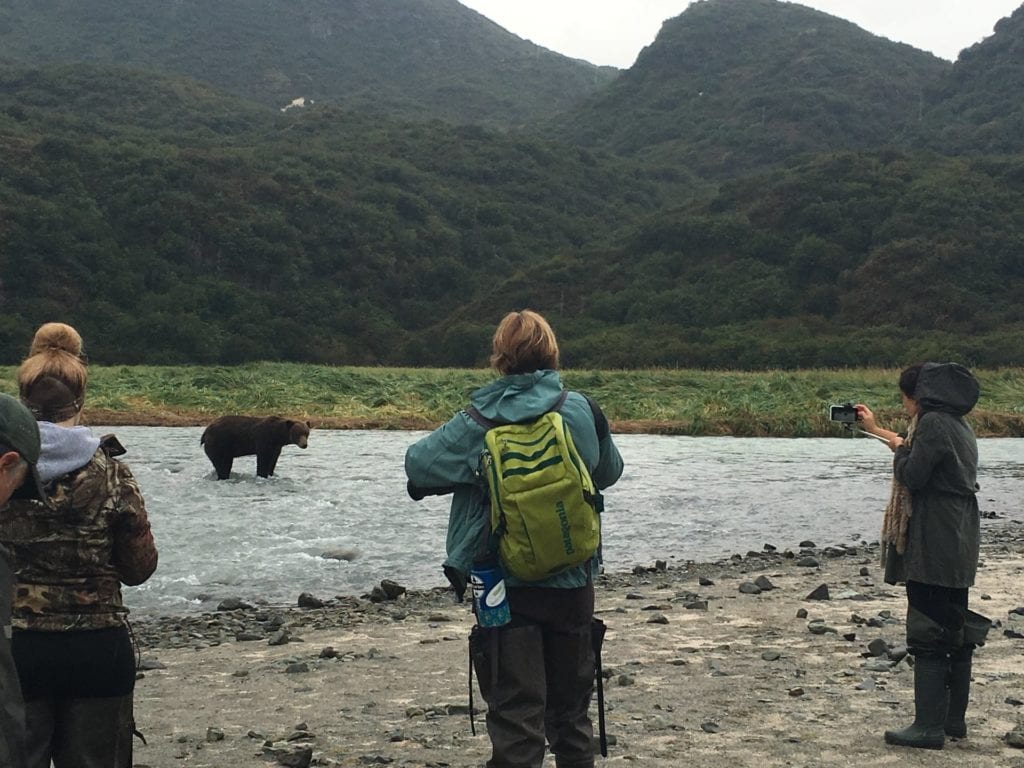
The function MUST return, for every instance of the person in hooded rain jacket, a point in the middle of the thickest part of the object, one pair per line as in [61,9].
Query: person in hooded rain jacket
[931,540]
[70,555]
[536,673]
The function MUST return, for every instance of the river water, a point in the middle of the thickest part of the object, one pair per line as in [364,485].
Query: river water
[679,499]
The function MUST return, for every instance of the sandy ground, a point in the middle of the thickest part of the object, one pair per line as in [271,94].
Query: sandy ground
[744,682]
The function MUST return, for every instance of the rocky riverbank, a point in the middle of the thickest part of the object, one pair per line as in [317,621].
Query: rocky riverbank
[765,659]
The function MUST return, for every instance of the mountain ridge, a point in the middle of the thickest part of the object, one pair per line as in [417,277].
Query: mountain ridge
[414,58]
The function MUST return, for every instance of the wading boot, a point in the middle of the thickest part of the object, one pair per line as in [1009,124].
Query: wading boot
[959,690]
[930,697]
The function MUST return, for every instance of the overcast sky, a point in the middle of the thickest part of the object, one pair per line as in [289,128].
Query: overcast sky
[613,31]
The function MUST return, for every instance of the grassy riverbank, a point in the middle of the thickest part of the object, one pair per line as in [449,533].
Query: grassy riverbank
[688,402]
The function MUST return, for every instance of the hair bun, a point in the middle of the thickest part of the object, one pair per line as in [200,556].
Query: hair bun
[56,337]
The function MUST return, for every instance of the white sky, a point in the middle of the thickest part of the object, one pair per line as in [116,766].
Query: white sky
[613,31]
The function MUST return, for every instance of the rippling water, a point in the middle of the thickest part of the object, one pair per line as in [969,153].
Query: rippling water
[680,498]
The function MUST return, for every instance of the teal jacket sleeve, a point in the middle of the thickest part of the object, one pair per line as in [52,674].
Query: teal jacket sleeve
[445,458]
[446,461]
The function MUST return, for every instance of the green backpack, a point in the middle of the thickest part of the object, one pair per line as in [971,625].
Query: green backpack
[544,506]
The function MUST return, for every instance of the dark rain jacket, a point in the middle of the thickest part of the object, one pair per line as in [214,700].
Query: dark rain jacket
[448,458]
[940,470]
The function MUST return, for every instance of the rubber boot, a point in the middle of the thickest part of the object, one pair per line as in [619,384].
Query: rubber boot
[930,704]
[959,691]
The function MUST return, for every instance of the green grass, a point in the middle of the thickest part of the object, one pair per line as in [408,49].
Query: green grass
[690,402]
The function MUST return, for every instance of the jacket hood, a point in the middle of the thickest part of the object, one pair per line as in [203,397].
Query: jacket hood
[520,397]
[64,449]
[946,387]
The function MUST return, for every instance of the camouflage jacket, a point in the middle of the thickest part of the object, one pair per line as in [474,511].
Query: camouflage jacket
[70,557]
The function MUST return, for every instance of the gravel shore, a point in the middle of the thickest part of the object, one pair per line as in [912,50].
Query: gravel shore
[719,664]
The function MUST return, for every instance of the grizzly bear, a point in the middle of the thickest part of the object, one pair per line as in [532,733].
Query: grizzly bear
[232,436]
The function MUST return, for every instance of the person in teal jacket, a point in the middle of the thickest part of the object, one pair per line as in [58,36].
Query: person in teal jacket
[536,673]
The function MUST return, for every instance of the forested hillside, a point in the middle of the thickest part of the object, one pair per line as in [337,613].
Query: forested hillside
[850,259]
[418,58]
[977,107]
[176,225]
[767,187]
[732,86]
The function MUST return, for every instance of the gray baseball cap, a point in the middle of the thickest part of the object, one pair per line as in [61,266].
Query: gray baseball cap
[19,432]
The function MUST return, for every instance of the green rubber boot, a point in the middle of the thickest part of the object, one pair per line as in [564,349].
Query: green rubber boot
[930,704]
[959,692]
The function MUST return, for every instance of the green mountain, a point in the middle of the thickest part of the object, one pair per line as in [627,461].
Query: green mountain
[174,224]
[824,198]
[417,58]
[731,86]
[977,107]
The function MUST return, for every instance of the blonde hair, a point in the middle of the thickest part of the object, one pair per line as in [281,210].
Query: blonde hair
[524,343]
[55,353]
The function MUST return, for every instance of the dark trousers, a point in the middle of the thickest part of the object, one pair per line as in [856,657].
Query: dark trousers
[537,676]
[78,689]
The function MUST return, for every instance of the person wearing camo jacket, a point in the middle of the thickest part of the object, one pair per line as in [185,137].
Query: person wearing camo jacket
[70,555]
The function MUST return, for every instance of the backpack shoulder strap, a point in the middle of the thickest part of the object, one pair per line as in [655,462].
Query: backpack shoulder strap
[479,418]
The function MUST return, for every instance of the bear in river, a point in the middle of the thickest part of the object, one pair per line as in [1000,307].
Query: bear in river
[232,436]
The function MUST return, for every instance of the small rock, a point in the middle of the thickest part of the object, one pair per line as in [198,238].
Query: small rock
[1015,738]
[298,758]
[697,605]
[867,684]
[328,653]
[806,544]
[801,613]
[750,588]
[807,562]
[391,589]
[878,647]
[658,618]
[710,727]
[340,554]
[771,655]
[820,628]
[704,581]
[764,583]
[879,665]
[795,692]
[214,734]
[1013,702]
[819,593]
[148,664]
[233,604]
[281,637]
[297,667]
[306,600]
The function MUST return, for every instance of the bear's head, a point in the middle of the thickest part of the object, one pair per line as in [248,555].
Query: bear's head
[298,433]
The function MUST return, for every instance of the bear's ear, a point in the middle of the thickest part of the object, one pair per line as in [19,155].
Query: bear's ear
[308,425]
